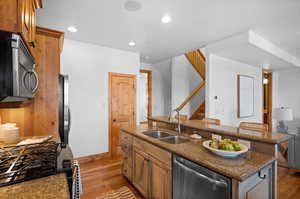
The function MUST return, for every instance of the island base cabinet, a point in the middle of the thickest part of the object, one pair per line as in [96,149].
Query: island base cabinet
[258,186]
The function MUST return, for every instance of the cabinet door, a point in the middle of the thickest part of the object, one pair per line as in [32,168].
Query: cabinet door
[32,29]
[25,18]
[140,171]
[160,180]
[258,186]
[28,20]
[9,15]
[259,191]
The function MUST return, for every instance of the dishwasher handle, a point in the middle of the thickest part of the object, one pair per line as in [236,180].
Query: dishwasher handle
[220,183]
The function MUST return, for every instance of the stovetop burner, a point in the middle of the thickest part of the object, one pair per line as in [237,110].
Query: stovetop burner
[27,162]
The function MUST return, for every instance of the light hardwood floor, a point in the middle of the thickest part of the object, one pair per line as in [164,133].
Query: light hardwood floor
[104,175]
[101,176]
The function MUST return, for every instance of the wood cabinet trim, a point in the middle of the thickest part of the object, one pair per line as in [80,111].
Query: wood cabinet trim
[38,3]
[49,32]
[52,33]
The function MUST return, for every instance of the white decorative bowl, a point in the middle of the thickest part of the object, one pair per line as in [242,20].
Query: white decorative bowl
[11,136]
[226,154]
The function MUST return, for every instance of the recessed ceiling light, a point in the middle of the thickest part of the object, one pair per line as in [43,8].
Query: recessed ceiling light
[132,6]
[166,19]
[131,43]
[72,29]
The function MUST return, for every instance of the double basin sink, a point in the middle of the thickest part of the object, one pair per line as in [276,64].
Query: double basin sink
[166,137]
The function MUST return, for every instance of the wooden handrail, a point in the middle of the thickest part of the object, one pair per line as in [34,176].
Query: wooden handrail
[199,111]
[189,98]
[201,54]
[197,59]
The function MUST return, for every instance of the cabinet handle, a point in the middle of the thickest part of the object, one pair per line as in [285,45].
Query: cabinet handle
[32,44]
[261,176]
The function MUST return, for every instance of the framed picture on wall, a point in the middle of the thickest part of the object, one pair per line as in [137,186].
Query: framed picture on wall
[245,96]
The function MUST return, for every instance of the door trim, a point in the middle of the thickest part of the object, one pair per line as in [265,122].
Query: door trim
[149,82]
[110,76]
[270,94]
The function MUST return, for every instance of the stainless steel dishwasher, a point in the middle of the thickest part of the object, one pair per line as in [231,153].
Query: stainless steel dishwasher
[192,181]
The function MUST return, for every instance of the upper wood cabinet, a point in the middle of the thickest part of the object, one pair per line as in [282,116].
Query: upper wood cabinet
[20,16]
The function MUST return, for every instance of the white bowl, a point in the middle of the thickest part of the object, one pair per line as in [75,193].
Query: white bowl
[11,136]
[1,133]
[226,154]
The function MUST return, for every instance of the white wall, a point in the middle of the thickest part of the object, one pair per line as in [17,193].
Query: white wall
[143,96]
[184,80]
[287,90]
[161,90]
[222,82]
[87,66]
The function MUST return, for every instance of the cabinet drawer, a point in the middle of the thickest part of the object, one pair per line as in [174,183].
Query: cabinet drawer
[156,152]
[126,138]
[126,148]
[127,170]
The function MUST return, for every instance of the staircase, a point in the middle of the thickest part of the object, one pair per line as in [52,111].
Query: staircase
[197,60]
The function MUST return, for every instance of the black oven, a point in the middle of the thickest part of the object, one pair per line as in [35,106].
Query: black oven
[18,78]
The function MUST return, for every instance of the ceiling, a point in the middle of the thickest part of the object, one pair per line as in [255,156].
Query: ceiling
[252,49]
[195,23]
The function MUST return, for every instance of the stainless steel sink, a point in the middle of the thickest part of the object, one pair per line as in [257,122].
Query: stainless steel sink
[156,134]
[174,140]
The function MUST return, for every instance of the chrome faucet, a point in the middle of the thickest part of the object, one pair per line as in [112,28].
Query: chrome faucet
[178,118]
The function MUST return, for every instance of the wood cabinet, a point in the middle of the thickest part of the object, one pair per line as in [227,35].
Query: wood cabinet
[126,146]
[40,116]
[148,167]
[20,16]
[141,171]
[160,180]
[45,103]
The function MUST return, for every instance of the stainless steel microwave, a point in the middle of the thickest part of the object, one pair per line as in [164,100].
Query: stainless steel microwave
[18,78]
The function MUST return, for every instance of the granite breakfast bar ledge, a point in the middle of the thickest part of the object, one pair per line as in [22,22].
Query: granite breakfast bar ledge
[257,136]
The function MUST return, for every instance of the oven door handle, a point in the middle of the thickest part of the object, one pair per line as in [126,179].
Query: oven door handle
[220,183]
[37,81]
[25,75]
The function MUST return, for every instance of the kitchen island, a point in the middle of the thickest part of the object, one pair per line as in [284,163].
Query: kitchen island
[148,161]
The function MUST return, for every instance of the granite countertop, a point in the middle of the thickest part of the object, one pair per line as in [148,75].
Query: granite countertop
[55,186]
[3,144]
[259,136]
[240,168]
